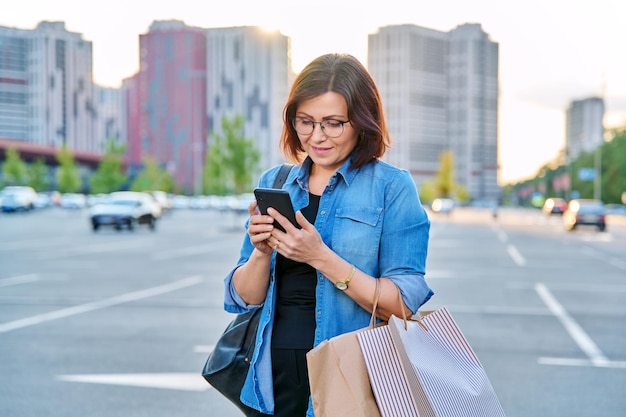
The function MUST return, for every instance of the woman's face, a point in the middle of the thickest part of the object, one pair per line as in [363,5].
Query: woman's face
[326,152]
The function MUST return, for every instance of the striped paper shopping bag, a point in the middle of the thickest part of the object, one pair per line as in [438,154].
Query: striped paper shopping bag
[426,370]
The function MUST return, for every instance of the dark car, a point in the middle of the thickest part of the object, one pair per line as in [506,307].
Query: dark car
[585,212]
[126,209]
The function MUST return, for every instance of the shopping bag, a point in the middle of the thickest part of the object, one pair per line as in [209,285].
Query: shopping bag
[426,368]
[338,378]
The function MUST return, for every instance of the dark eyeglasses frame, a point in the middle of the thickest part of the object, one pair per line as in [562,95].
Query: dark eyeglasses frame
[293,123]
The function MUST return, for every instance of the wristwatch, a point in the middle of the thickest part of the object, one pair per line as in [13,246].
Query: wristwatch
[343,285]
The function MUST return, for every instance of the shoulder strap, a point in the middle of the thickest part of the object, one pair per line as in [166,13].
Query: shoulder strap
[281,177]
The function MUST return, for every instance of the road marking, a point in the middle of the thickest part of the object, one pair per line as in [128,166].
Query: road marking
[584,342]
[91,249]
[517,257]
[173,381]
[581,362]
[204,348]
[440,273]
[572,286]
[20,279]
[97,305]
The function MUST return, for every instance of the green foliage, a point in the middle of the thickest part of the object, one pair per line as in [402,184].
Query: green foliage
[231,161]
[14,168]
[38,173]
[443,185]
[215,171]
[614,168]
[110,175]
[612,174]
[153,177]
[68,178]
[427,191]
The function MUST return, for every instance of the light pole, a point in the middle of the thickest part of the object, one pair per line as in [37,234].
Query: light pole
[597,182]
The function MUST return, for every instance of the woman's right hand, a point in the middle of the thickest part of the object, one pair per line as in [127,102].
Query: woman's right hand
[260,229]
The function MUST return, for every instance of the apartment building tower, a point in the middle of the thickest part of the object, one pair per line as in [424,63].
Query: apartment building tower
[170,90]
[46,87]
[584,128]
[248,75]
[440,92]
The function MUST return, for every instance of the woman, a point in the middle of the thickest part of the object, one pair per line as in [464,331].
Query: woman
[360,220]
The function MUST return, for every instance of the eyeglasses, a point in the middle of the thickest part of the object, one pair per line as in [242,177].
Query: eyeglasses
[331,128]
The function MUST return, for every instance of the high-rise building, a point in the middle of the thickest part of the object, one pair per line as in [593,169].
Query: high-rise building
[46,87]
[172,99]
[110,120]
[248,75]
[584,128]
[440,93]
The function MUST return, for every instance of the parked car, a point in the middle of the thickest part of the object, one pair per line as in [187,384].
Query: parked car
[554,205]
[18,198]
[616,209]
[442,205]
[586,212]
[163,199]
[126,209]
[73,201]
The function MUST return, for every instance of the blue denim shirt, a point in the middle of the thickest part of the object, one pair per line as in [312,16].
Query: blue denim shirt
[373,218]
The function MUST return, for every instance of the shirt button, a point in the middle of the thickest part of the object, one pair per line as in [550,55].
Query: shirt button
[323,212]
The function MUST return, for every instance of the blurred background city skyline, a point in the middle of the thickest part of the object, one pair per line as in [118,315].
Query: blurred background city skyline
[549,53]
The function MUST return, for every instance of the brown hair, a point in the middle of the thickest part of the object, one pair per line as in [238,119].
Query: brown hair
[345,75]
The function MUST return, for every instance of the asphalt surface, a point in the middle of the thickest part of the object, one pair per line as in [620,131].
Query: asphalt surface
[119,323]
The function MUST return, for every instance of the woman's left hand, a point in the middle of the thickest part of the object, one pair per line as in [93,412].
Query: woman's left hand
[300,245]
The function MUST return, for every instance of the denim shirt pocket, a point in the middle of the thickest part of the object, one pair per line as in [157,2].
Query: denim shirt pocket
[357,231]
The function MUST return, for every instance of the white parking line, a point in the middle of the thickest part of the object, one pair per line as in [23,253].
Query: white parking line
[175,381]
[97,305]
[91,249]
[582,339]
[20,279]
[515,255]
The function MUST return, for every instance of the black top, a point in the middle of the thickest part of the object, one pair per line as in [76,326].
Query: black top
[294,322]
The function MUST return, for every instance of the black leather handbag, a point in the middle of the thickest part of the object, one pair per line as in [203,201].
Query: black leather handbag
[227,365]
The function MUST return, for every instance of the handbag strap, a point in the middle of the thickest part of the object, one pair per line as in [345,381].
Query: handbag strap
[281,177]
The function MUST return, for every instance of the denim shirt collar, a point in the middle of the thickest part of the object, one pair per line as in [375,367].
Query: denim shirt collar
[345,171]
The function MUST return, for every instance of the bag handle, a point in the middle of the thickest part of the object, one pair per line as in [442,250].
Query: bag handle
[376,298]
[404,317]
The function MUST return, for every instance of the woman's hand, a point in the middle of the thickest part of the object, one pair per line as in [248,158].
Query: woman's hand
[259,229]
[300,245]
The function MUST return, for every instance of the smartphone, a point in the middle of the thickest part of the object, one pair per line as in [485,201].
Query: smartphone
[277,199]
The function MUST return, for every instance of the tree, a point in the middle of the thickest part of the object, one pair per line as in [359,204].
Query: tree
[614,168]
[153,177]
[14,168]
[443,185]
[110,175]
[232,160]
[38,173]
[68,178]
[215,175]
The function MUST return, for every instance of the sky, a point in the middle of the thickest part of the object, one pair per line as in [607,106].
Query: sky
[551,51]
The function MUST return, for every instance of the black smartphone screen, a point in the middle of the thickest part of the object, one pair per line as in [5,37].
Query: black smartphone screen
[277,199]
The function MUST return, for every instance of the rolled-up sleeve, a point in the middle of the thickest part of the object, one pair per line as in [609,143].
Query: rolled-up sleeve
[404,243]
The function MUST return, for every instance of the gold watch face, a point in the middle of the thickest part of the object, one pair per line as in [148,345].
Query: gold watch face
[341,285]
